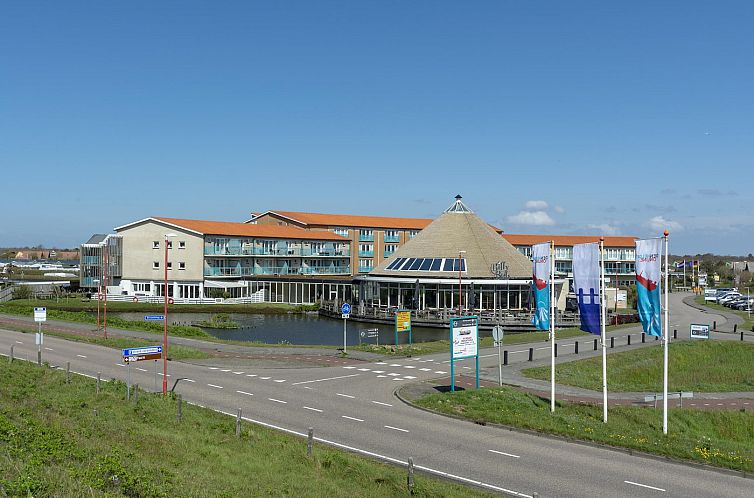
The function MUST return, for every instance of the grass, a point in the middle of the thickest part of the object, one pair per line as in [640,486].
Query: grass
[62,439]
[748,319]
[720,438]
[703,366]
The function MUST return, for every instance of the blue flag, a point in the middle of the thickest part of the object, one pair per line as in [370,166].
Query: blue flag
[541,285]
[586,283]
[648,285]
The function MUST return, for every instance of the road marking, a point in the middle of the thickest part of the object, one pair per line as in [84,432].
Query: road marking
[307,387]
[378,363]
[244,392]
[425,369]
[49,349]
[213,368]
[746,402]
[189,380]
[349,368]
[345,395]
[644,485]
[395,364]
[313,409]
[163,375]
[323,380]
[379,371]
[408,366]
[381,403]
[216,387]
[81,356]
[120,365]
[393,374]
[238,373]
[278,401]
[410,377]
[395,428]
[141,369]
[381,376]
[549,347]
[440,372]
[467,368]
[225,371]
[265,378]
[487,355]
[503,453]
[352,418]
[19,342]
[279,380]
[364,369]
[398,378]
[251,375]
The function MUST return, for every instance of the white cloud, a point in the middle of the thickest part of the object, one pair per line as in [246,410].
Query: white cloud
[659,223]
[531,218]
[605,228]
[559,209]
[536,205]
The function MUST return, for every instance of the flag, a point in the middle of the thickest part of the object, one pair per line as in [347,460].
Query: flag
[586,283]
[541,285]
[648,284]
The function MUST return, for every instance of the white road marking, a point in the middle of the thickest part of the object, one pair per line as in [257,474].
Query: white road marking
[279,380]
[49,349]
[81,356]
[440,372]
[381,376]
[141,369]
[313,409]
[395,364]
[408,366]
[216,387]
[548,347]
[162,375]
[251,375]
[410,377]
[238,373]
[189,380]
[467,368]
[380,363]
[364,369]
[349,368]
[307,387]
[487,355]
[244,392]
[265,378]
[503,453]
[225,371]
[393,374]
[395,428]
[119,365]
[381,403]
[644,485]
[19,342]
[425,369]
[398,378]
[278,401]
[345,395]
[213,368]
[352,418]
[323,380]
[379,371]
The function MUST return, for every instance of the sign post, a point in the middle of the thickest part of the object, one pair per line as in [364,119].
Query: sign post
[40,315]
[497,335]
[464,343]
[403,324]
[345,311]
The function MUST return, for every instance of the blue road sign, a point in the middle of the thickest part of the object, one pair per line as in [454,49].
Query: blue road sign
[142,351]
[345,309]
[154,317]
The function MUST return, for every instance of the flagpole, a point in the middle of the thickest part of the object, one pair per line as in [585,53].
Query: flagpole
[665,354]
[602,323]
[552,327]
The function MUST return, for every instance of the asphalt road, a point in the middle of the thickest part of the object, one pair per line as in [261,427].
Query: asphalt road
[354,406]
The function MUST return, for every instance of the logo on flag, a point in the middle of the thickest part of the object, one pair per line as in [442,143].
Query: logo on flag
[648,284]
[540,285]
[586,282]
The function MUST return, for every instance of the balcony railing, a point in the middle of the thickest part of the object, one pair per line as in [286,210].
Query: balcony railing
[365,269]
[292,251]
[388,253]
[366,254]
[234,271]
[90,260]
[366,238]
[392,238]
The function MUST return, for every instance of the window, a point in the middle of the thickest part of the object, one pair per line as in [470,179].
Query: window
[142,287]
[182,244]
[366,235]
[155,244]
[412,233]
[390,249]
[170,244]
[564,253]
[155,265]
[525,250]
[170,265]
[182,265]
[343,232]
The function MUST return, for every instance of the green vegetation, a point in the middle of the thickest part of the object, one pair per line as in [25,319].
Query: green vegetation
[62,439]
[218,321]
[703,366]
[721,438]
[79,303]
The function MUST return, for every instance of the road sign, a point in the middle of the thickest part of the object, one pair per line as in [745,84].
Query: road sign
[143,353]
[39,338]
[373,332]
[345,309]
[497,333]
[154,317]
[345,316]
[40,314]
[699,331]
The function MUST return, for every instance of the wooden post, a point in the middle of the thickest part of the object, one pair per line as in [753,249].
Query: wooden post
[98,379]
[10,358]
[238,424]
[310,442]
[410,478]
[68,372]
[179,407]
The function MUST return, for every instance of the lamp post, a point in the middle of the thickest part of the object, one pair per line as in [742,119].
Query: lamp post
[105,254]
[460,295]
[165,321]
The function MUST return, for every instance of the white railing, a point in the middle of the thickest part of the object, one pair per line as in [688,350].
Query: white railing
[257,297]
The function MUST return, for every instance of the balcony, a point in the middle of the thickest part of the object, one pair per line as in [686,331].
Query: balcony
[235,271]
[366,237]
[327,252]
[392,238]
[366,254]
[365,269]
[90,260]
[388,254]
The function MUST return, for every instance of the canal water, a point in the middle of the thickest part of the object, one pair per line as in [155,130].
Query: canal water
[299,328]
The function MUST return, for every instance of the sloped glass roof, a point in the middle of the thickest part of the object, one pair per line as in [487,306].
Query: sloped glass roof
[428,264]
[458,207]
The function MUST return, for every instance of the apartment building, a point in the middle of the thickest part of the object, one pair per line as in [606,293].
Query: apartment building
[100,262]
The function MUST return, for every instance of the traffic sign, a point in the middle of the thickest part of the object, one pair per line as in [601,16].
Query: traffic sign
[40,314]
[345,309]
[142,353]
[497,333]
[345,316]
[154,317]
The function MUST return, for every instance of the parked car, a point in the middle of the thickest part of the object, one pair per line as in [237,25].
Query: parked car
[728,297]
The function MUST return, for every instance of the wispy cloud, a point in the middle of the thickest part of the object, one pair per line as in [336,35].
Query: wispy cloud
[559,209]
[539,218]
[536,205]
[605,228]
[660,223]
[666,209]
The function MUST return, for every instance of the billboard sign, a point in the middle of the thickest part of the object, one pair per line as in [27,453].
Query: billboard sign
[699,331]
[464,337]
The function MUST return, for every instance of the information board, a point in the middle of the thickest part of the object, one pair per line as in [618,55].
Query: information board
[699,331]
[464,337]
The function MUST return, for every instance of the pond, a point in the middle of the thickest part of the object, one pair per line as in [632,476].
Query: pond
[299,328]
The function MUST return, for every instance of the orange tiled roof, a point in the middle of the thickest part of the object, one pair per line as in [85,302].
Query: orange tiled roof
[567,240]
[347,220]
[250,230]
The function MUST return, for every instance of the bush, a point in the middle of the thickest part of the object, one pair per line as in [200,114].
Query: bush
[22,292]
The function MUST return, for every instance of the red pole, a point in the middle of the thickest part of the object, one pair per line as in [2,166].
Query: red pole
[105,304]
[165,326]
[99,296]
[460,295]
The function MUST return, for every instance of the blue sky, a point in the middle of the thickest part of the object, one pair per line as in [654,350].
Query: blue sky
[548,117]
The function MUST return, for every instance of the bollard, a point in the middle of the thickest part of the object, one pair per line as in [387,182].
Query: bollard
[742,335]
[238,424]
[505,357]
[628,340]
[556,350]
[714,325]
[410,478]
[10,358]
[576,347]
[179,407]
[643,337]
[675,333]
[735,328]
[310,442]
[612,342]
[531,351]
[595,344]
[98,378]
[39,358]
[68,372]
[657,338]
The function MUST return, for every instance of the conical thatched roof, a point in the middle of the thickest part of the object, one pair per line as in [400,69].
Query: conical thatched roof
[459,229]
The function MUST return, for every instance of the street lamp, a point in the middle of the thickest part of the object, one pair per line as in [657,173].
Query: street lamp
[460,295]
[165,321]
